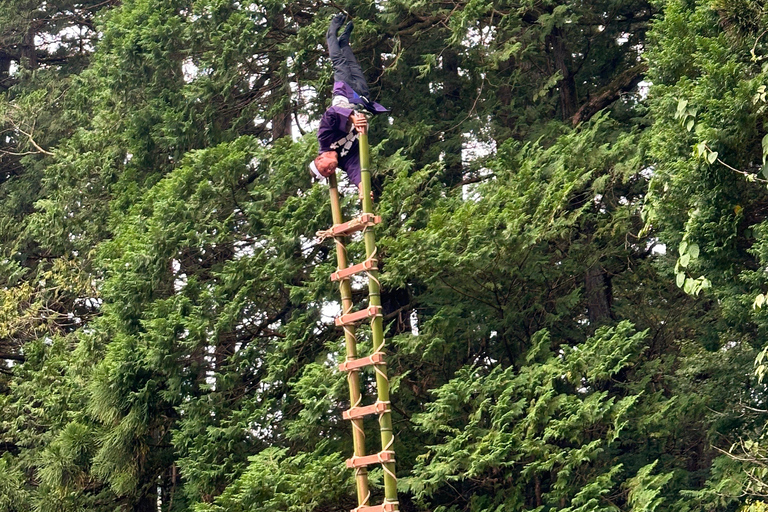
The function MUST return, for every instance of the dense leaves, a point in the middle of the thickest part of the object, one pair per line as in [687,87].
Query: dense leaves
[573,248]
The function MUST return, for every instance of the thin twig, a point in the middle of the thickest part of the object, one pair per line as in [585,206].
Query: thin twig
[749,175]
[35,144]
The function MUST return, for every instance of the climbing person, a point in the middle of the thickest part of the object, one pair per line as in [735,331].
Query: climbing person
[342,122]
[337,134]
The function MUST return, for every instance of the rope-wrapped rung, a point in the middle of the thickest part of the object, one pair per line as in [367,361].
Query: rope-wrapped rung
[360,412]
[357,224]
[383,457]
[356,364]
[354,269]
[351,318]
[384,507]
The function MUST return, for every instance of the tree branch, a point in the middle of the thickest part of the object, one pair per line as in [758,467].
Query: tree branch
[623,83]
[13,357]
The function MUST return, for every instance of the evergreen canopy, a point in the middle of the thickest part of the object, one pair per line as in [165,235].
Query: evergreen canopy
[574,245]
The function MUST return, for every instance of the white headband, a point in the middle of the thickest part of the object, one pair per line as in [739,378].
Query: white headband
[313,168]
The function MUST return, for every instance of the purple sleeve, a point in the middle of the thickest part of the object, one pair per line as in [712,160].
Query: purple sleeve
[341,112]
[333,126]
[351,165]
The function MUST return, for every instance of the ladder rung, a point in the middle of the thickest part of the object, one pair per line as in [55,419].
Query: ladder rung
[351,318]
[375,358]
[360,412]
[354,269]
[357,224]
[384,507]
[376,458]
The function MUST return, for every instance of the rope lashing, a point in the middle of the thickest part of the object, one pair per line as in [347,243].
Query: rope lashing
[383,457]
[386,403]
[356,424]
[340,246]
[373,319]
[389,445]
[383,460]
[365,503]
[387,449]
[358,427]
[380,372]
[373,259]
[348,330]
[378,367]
[387,470]
[353,225]
[359,397]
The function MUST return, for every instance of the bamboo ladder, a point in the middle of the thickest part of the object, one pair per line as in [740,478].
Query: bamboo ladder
[352,366]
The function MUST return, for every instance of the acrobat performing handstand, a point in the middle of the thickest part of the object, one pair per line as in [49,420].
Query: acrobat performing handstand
[344,120]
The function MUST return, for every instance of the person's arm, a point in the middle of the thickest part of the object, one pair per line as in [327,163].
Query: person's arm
[360,122]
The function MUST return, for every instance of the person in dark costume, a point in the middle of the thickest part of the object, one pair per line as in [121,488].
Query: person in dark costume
[346,69]
[342,122]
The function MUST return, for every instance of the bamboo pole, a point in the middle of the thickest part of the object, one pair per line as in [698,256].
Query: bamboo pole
[377,328]
[353,377]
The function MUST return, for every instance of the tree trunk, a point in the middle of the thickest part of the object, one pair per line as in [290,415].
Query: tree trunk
[281,120]
[5,70]
[597,285]
[28,50]
[281,124]
[539,501]
[168,487]
[505,115]
[567,85]
[452,142]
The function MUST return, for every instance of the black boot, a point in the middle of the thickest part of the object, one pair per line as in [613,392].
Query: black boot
[344,39]
[336,22]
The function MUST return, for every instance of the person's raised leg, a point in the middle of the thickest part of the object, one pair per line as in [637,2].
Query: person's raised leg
[341,67]
[356,78]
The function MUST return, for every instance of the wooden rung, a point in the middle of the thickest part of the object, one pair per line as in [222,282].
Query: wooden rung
[357,224]
[355,364]
[354,269]
[360,412]
[384,507]
[376,458]
[351,318]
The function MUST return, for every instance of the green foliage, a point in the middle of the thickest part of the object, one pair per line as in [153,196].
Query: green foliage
[546,425]
[644,489]
[275,481]
[163,298]
[708,192]
[14,497]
